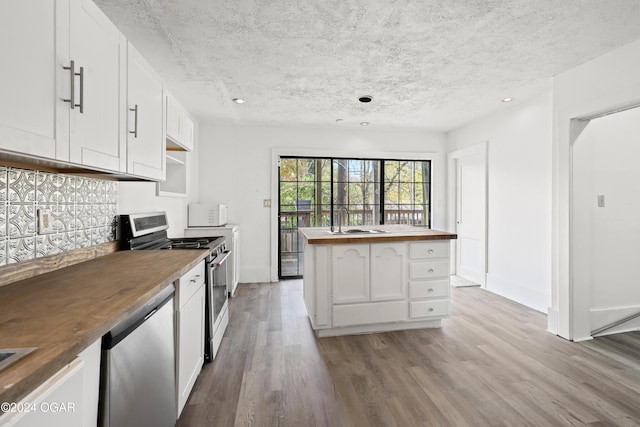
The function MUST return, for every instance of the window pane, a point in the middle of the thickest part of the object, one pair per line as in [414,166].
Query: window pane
[306,193]
[325,169]
[288,194]
[288,170]
[391,170]
[305,169]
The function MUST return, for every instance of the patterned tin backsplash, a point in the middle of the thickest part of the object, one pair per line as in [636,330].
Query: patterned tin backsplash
[82,211]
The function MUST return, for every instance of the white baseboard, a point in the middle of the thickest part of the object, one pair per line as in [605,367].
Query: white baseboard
[552,320]
[255,275]
[536,299]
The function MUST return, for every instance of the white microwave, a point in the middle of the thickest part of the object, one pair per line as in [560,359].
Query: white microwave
[207,215]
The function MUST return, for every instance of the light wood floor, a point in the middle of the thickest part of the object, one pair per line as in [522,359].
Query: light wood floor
[492,363]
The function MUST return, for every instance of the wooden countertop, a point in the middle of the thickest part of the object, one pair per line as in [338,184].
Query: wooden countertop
[394,233]
[65,311]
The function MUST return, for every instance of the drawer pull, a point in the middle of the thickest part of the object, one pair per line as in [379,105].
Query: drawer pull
[430,290]
[430,251]
[195,279]
[431,270]
[430,309]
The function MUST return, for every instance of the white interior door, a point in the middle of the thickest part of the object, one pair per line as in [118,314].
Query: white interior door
[470,217]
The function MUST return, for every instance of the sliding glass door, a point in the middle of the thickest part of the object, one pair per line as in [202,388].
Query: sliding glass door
[373,191]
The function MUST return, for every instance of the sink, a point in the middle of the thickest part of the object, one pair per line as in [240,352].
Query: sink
[357,231]
[11,355]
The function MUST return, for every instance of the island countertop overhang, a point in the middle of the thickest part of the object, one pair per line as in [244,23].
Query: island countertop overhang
[391,233]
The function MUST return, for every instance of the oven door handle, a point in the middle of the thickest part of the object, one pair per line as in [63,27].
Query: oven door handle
[217,261]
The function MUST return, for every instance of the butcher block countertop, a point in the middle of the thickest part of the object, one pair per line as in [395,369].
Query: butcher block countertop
[381,233]
[64,311]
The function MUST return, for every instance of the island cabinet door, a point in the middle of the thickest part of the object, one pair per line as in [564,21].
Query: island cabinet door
[388,271]
[350,273]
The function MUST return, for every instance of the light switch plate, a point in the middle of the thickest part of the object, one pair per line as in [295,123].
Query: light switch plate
[601,200]
[45,222]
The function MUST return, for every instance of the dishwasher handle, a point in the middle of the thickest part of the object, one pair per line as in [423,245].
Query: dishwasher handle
[138,317]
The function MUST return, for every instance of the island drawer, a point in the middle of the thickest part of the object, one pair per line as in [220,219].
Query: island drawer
[189,283]
[429,289]
[428,308]
[428,269]
[363,314]
[431,249]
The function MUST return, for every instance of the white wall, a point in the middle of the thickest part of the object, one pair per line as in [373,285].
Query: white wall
[141,196]
[602,84]
[236,168]
[519,199]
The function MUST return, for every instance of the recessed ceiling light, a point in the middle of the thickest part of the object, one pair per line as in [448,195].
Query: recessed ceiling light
[507,100]
[364,123]
[239,100]
[365,98]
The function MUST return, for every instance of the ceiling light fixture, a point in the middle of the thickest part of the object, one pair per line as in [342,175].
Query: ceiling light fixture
[364,123]
[365,98]
[239,100]
[507,100]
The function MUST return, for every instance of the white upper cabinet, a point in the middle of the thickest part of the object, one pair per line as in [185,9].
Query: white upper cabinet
[75,92]
[97,121]
[179,126]
[27,77]
[145,144]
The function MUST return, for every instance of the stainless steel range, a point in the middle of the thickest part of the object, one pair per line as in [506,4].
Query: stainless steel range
[148,231]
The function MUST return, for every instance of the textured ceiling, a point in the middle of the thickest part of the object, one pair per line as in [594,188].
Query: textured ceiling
[434,65]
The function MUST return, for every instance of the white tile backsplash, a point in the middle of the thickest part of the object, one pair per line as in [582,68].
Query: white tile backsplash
[82,210]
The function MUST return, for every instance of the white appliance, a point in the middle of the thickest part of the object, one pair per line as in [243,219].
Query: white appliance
[207,215]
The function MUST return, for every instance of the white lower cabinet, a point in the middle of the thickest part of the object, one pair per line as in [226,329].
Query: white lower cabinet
[350,273]
[190,319]
[357,288]
[429,279]
[67,399]
[388,271]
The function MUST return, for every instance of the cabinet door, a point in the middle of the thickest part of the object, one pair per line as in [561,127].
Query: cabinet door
[173,118]
[350,273]
[27,77]
[65,387]
[186,131]
[97,133]
[388,271]
[145,146]
[190,345]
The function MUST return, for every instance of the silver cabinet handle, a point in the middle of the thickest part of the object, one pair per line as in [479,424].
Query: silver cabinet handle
[81,105]
[431,270]
[430,309]
[430,251]
[430,290]
[72,72]
[135,124]
[197,276]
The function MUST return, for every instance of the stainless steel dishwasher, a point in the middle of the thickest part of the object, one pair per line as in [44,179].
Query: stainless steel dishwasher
[137,384]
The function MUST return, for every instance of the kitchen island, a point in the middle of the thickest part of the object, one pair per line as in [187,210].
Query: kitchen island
[375,278]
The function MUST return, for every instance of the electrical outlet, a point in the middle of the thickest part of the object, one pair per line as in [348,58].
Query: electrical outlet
[266,203]
[45,222]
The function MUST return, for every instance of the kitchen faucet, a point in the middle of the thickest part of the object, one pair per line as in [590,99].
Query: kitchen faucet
[342,210]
